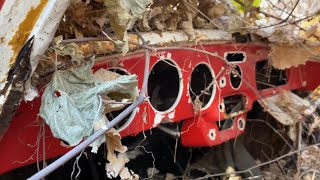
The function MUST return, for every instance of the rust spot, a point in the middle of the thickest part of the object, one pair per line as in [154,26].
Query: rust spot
[25,29]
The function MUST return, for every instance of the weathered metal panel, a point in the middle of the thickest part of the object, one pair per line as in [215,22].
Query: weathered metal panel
[19,21]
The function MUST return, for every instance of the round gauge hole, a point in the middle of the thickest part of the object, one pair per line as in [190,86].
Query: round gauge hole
[164,85]
[201,84]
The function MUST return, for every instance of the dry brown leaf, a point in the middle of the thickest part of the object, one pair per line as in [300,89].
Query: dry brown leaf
[188,13]
[103,75]
[310,158]
[100,21]
[109,106]
[197,104]
[122,15]
[113,140]
[159,25]
[187,27]
[170,176]
[144,24]
[71,50]
[211,9]
[97,47]
[285,56]
[81,20]
[116,166]
[200,22]
[315,124]
[126,174]
[78,34]
[172,22]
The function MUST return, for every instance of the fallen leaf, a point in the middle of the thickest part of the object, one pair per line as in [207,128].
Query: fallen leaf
[103,75]
[113,140]
[122,15]
[116,166]
[188,13]
[83,19]
[298,55]
[71,50]
[127,174]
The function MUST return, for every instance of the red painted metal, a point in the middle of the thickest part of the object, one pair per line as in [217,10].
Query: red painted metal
[19,143]
[1,3]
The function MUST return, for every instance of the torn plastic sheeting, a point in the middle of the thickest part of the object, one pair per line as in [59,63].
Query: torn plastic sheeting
[71,105]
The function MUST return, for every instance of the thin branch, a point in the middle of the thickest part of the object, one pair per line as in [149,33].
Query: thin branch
[259,165]
[205,16]
[260,120]
[115,102]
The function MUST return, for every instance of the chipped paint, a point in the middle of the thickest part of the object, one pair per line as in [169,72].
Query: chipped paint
[188,94]
[22,33]
[172,114]
[16,21]
[145,115]
[157,119]
[19,20]
[169,55]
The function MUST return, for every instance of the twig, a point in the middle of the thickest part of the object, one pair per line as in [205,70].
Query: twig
[205,16]
[259,165]
[29,159]
[44,163]
[281,168]
[76,163]
[292,10]
[260,120]
[299,138]
[187,171]
[114,102]
[175,151]
[88,39]
[279,24]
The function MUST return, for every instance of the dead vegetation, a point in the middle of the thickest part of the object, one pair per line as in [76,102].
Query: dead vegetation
[111,21]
